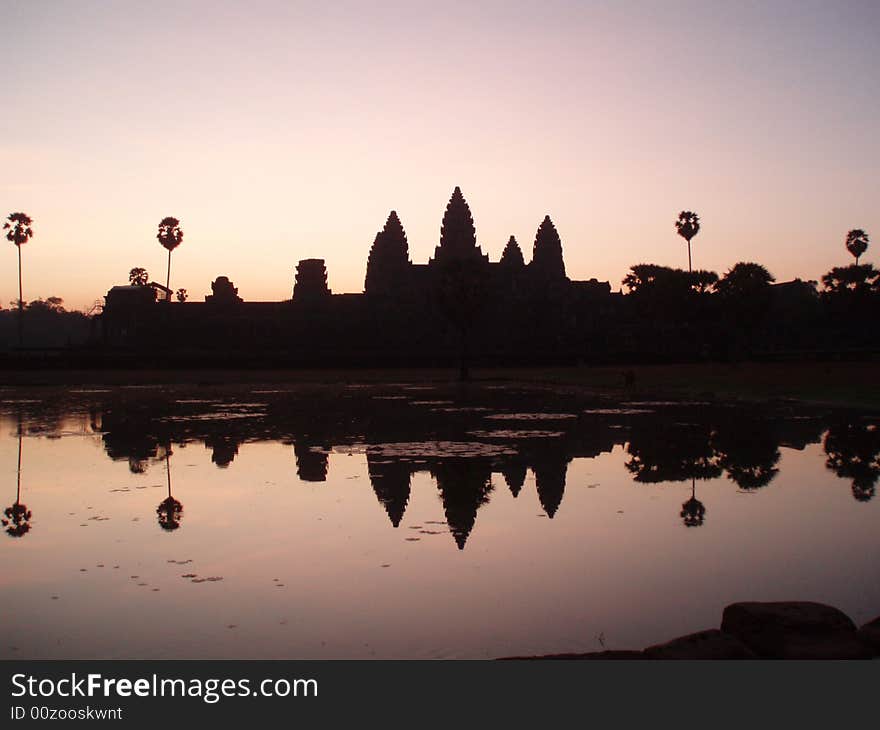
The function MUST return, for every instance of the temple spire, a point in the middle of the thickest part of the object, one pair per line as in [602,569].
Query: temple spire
[389,258]
[512,255]
[547,256]
[458,238]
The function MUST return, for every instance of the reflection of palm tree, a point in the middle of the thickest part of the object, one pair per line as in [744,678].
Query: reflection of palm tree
[693,513]
[169,510]
[17,517]
[853,451]
[688,226]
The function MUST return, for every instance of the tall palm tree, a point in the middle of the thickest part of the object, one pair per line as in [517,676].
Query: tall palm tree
[20,232]
[857,243]
[170,236]
[688,226]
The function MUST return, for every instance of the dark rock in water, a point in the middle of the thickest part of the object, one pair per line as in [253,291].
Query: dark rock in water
[794,630]
[608,654]
[870,636]
[709,644]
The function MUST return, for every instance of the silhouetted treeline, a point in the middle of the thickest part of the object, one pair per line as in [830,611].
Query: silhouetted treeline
[47,324]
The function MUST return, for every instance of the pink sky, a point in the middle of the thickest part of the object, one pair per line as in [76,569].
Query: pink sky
[277,131]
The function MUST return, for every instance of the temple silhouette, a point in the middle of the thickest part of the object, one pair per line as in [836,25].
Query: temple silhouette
[408,313]
[460,307]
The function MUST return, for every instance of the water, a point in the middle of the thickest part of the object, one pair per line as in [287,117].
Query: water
[417,521]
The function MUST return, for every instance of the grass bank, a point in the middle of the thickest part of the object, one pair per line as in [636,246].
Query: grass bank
[845,384]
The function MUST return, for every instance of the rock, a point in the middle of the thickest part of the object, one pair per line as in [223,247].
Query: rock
[794,630]
[709,644]
[870,636]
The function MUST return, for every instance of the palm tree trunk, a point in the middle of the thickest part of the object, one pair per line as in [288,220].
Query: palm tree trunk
[20,302]
[690,268]
[168,277]
[168,471]
[18,485]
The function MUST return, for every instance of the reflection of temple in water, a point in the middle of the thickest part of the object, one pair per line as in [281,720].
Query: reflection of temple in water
[311,462]
[391,483]
[514,473]
[465,485]
[550,475]
[661,447]
[223,449]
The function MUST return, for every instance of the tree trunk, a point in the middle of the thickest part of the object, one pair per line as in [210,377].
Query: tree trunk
[18,481]
[168,471]
[168,278]
[20,301]
[690,268]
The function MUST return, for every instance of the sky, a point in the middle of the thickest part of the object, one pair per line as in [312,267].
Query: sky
[277,131]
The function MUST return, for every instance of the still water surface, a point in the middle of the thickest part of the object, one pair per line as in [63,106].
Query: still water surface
[417,521]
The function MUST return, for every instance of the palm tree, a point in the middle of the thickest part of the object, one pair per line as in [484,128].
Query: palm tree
[688,226]
[138,276]
[20,232]
[170,236]
[857,243]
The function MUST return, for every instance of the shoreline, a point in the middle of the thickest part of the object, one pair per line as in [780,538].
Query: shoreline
[828,384]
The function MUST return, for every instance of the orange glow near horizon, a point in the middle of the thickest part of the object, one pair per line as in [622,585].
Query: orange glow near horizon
[284,131]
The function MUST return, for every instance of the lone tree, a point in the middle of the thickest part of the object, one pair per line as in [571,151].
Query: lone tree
[20,232]
[688,226]
[138,276]
[857,243]
[170,236]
